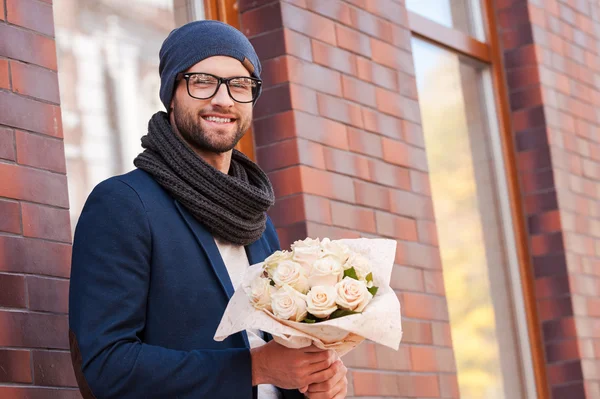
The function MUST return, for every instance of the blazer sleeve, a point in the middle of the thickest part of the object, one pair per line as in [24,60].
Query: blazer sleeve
[107,311]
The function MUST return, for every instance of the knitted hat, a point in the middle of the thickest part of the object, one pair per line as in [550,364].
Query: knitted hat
[195,41]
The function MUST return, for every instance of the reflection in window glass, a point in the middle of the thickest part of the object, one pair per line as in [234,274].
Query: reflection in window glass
[109,83]
[463,15]
[470,229]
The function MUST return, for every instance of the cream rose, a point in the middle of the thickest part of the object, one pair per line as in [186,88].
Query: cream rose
[352,294]
[291,273]
[306,256]
[288,304]
[361,265]
[326,271]
[260,293]
[307,242]
[273,261]
[334,248]
[320,301]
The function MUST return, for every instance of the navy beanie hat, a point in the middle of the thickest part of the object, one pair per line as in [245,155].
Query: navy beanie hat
[195,41]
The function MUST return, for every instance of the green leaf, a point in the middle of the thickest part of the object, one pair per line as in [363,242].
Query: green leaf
[369,277]
[272,283]
[309,321]
[350,273]
[342,313]
[373,290]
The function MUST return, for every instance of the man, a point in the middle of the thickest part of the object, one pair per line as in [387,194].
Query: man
[158,251]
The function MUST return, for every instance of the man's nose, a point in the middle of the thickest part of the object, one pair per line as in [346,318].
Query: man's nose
[222,97]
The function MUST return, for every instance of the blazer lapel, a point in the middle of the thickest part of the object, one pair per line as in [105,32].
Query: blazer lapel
[257,251]
[207,242]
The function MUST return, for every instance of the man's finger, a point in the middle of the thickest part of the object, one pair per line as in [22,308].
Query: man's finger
[329,384]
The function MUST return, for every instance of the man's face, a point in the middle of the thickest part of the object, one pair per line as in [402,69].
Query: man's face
[218,123]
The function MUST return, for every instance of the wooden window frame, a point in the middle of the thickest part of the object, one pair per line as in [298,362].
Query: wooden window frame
[491,54]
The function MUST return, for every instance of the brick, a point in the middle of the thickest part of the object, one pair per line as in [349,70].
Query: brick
[333,57]
[389,102]
[534,159]
[270,45]
[38,393]
[518,37]
[560,330]
[337,11]
[424,307]
[434,282]
[288,210]
[346,163]
[321,230]
[449,386]
[362,356]
[561,351]
[317,209]
[408,86]
[523,77]
[319,78]
[423,358]
[388,359]
[376,384]
[12,291]
[10,222]
[27,255]
[352,40]
[371,25]
[378,122]
[547,222]
[402,37]
[392,57]
[324,131]
[304,99]
[275,71]
[546,244]
[290,234]
[521,57]
[399,153]
[389,175]
[563,373]
[7,144]
[298,45]
[396,226]
[27,46]
[405,278]
[48,294]
[31,14]
[52,368]
[364,142]
[427,232]
[246,5]
[274,128]
[28,114]
[528,119]
[419,182]
[310,24]
[549,265]
[417,332]
[313,181]
[15,366]
[412,205]
[2,10]
[531,139]
[419,255]
[276,100]
[353,217]
[526,98]
[426,386]
[442,335]
[261,20]
[339,110]
[34,185]
[4,74]
[279,155]
[359,91]
[387,9]
[377,74]
[372,195]
[34,330]
[40,152]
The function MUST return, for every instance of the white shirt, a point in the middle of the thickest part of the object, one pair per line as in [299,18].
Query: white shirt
[236,262]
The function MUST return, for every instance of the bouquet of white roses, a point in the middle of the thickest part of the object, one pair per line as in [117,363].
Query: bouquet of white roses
[330,293]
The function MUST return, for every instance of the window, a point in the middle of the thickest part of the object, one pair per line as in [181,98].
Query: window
[474,200]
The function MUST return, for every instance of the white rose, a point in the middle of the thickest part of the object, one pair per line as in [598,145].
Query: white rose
[291,273]
[288,304]
[352,294]
[320,301]
[326,271]
[273,261]
[361,265]
[307,242]
[334,248]
[260,293]
[306,256]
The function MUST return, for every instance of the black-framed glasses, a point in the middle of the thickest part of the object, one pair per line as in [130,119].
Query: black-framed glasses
[242,89]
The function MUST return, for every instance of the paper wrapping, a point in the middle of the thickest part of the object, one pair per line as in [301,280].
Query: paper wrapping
[380,322]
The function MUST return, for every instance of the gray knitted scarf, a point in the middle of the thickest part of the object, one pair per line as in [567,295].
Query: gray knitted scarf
[232,206]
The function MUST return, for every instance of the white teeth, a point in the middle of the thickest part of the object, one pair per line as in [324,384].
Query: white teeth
[217,120]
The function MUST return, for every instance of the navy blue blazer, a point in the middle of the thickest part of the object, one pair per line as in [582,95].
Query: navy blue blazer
[148,289]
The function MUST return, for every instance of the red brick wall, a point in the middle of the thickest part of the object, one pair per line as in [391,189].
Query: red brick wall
[338,130]
[35,235]
[551,55]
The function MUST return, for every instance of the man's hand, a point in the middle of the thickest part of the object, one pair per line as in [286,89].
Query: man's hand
[291,368]
[334,388]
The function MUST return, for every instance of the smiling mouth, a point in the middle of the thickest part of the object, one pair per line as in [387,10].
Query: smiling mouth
[215,119]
